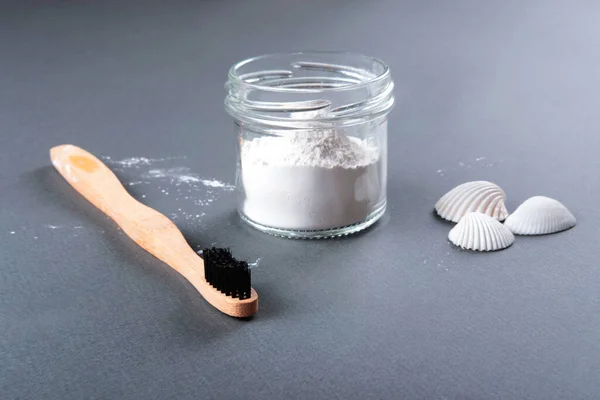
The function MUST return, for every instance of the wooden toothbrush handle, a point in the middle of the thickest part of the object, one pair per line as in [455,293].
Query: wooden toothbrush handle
[146,226]
[150,229]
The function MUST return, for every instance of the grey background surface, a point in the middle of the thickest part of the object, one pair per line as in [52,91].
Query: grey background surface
[393,313]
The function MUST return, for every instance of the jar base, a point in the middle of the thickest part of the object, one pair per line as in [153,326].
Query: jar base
[373,217]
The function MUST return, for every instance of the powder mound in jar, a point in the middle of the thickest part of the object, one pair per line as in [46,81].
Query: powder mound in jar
[310,149]
[310,180]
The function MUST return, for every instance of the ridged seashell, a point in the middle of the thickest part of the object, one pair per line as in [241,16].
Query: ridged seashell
[480,232]
[478,196]
[540,215]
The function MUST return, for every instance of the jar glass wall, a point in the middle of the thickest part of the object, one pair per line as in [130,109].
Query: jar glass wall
[312,142]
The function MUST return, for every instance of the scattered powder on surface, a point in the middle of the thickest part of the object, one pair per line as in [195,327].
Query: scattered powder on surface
[215,183]
[138,161]
[179,175]
[254,264]
[53,226]
[130,162]
[185,216]
[479,163]
[178,181]
[62,227]
[310,181]
[175,175]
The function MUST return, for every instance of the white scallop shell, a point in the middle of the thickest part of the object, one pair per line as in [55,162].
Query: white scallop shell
[540,215]
[478,196]
[477,231]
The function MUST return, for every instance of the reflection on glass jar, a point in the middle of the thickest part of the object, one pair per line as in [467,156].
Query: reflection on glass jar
[312,141]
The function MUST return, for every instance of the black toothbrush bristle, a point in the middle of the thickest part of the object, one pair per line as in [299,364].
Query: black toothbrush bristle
[226,274]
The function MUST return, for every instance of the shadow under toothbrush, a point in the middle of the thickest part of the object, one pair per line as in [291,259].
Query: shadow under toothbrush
[195,311]
[228,230]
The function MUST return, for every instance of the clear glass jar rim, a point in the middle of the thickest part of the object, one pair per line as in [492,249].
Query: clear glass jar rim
[235,78]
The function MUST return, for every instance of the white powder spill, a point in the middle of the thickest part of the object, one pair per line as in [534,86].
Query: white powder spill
[479,163]
[138,161]
[203,202]
[493,164]
[43,231]
[215,183]
[176,174]
[53,227]
[179,175]
[185,216]
[178,182]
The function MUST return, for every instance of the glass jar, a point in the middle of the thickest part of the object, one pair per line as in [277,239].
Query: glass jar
[312,141]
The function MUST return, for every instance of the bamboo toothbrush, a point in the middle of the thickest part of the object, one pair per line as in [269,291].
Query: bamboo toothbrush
[223,281]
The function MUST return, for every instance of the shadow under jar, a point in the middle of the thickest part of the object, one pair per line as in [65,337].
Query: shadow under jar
[312,141]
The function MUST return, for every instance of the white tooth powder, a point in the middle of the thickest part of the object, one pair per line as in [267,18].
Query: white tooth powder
[310,180]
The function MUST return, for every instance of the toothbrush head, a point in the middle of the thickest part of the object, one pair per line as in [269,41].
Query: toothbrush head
[226,274]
